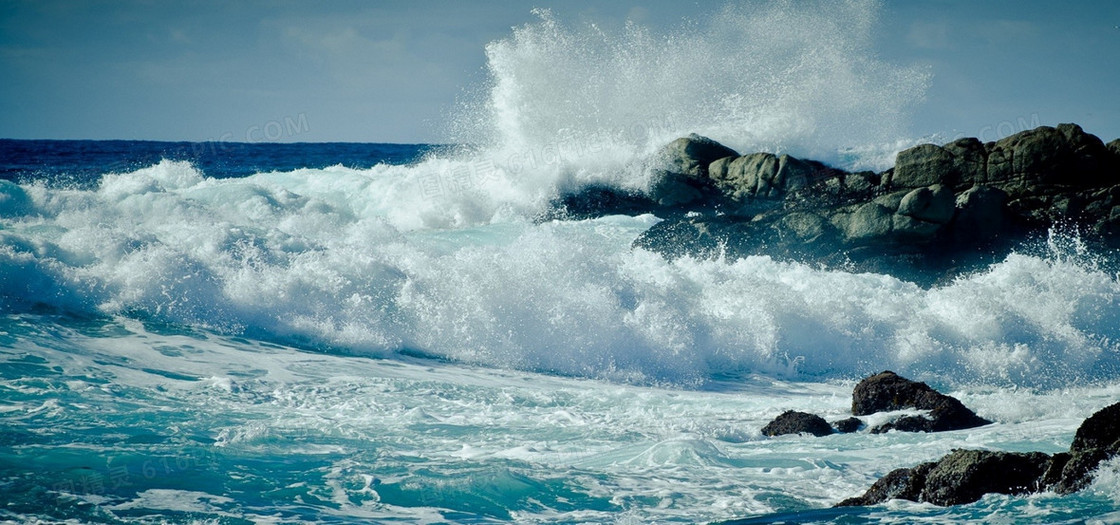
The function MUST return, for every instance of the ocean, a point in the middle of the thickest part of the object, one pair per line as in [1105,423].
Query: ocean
[224,332]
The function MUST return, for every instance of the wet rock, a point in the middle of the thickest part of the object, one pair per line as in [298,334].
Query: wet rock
[847,426]
[691,155]
[793,422]
[903,483]
[964,476]
[939,212]
[1096,440]
[887,391]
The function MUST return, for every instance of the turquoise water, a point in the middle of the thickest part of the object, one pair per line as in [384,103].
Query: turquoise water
[107,420]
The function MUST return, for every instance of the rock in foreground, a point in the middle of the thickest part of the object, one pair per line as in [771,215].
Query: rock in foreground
[964,476]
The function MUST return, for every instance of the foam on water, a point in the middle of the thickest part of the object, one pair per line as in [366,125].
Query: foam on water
[308,257]
[188,424]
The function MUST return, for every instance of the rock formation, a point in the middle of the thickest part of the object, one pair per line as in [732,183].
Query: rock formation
[939,211]
[792,422]
[887,391]
[964,476]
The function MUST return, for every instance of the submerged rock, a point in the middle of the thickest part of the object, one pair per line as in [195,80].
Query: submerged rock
[792,422]
[888,391]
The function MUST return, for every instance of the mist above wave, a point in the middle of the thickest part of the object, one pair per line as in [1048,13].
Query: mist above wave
[797,77]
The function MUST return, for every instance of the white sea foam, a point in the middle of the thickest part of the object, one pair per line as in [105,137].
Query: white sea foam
[304,257]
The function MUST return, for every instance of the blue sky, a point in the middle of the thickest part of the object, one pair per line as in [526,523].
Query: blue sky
[392,71]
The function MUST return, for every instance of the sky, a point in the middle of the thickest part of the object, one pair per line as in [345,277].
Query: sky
[393,71]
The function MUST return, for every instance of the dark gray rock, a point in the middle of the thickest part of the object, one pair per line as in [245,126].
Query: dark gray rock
[964,476]
[887,391]
[980,214]
[940,212]
[793,422]
[934,204]
[1114,147]
[903,483]
[847,426]
[1096,440]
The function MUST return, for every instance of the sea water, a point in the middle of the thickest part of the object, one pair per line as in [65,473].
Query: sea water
[224,333]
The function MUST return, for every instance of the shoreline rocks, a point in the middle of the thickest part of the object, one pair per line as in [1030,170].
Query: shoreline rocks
[964,476]
[885,392]
[939,212]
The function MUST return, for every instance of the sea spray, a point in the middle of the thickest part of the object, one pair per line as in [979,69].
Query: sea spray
[306,258]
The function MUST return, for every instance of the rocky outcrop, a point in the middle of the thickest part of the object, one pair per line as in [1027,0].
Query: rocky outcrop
[888,391]
[792,422]
[884,392]
[964,476]
[941,210]
[1096,440]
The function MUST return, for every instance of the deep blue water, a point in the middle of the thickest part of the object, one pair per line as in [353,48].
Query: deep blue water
[83,161]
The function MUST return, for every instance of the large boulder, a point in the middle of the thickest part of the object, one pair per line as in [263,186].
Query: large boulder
[764,175]
[963,476]
[793,422]
[949,165]
[1061,156]
[888,391]
[691,155]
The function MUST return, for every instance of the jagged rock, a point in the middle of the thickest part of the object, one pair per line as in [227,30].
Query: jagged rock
[941,211]
[887,391]
[1097,439]
[1114,147]
[847,426]
[793,422]
[1063,156]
